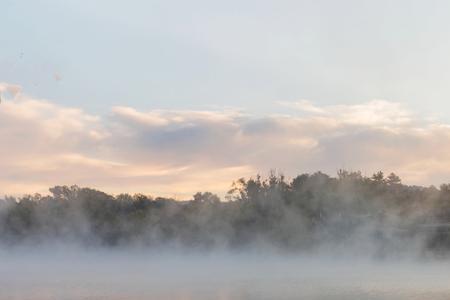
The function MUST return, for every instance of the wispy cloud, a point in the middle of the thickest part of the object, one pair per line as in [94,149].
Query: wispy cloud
[12,89]
[176,153]
[375,112]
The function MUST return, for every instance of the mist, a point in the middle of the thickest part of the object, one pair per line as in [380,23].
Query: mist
[313,236]
[111,274]
[349,214]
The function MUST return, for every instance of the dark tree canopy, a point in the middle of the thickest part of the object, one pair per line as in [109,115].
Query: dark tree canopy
[311,211]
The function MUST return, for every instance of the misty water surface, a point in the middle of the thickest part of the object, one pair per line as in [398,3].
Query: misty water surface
[70,274]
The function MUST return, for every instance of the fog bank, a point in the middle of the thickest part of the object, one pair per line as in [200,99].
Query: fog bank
[110,274]
[349,214]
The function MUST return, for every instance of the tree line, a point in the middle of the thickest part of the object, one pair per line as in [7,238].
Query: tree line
[311,212]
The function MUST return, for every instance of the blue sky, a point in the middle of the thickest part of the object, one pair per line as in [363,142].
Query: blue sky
[206,54]
[172,97]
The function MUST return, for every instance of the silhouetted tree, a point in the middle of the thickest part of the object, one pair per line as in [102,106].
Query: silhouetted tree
[298,214]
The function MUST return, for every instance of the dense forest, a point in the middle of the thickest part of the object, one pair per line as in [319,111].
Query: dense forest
[312,212]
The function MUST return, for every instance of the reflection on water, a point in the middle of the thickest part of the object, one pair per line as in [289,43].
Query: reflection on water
[137,276]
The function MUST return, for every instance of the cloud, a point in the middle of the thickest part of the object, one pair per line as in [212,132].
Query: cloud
[375,112]
[176,153]
[12,89]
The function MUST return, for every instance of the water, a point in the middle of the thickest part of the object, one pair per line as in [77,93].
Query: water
[136,276]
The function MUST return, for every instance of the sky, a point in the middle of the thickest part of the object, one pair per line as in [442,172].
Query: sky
[171,97]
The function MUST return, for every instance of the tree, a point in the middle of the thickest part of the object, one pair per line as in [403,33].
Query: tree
[378,177]
[206,197]
[393,179]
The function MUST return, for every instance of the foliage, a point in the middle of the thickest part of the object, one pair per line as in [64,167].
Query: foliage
[312,210]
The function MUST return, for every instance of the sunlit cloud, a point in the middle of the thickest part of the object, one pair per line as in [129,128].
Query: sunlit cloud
[375,112]
[179,152]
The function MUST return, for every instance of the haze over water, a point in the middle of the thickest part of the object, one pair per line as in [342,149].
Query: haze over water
[115,275]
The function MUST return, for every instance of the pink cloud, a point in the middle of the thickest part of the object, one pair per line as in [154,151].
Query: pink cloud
[169,152]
